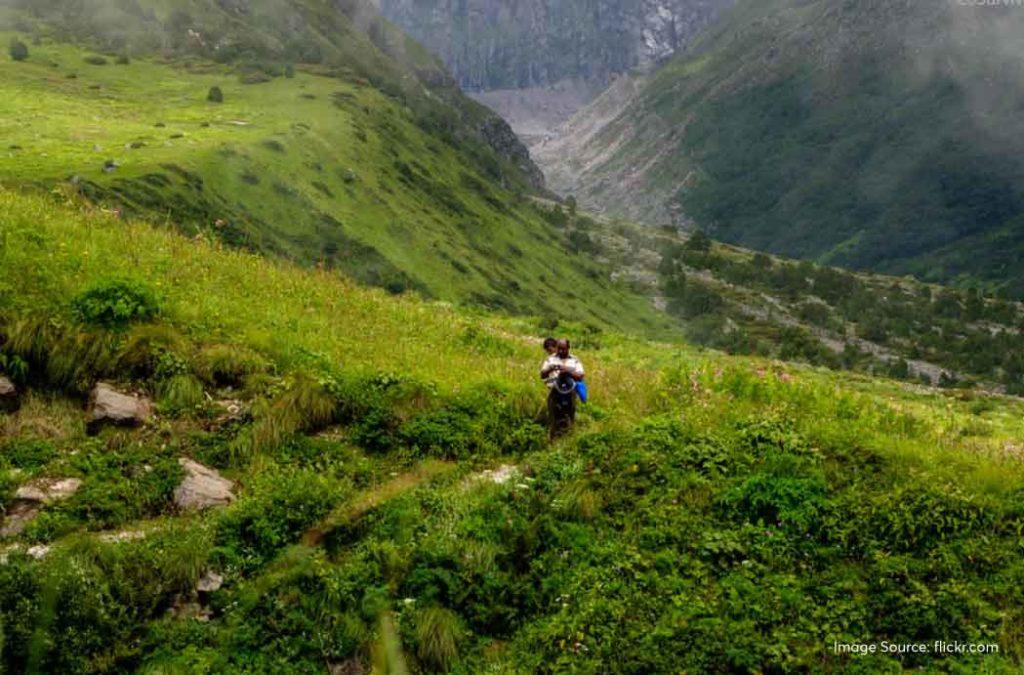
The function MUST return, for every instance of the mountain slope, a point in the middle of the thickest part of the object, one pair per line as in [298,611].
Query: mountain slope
[872,135]
[358,161]
[747,302]
[392,485]
[489,44]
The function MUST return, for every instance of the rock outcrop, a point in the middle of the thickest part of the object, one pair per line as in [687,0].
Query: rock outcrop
[492,44]
[109,406]
[202,487]
[9,395]
[31,497]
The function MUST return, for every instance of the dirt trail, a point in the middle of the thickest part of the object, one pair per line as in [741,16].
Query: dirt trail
[370,499]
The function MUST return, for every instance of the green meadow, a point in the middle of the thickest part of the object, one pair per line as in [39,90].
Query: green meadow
[321,170]
[709,513]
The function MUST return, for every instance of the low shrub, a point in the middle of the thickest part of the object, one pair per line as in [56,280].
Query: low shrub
[115,303]
[18,50]
[277,507]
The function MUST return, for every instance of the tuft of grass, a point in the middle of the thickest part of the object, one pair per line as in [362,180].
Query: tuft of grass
[145,344]
[438,631]
[304,406]
[79,358]
[228,365]
[180,393]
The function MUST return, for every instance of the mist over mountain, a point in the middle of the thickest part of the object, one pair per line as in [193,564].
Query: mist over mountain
[537,62]
[502,44]
[871,134]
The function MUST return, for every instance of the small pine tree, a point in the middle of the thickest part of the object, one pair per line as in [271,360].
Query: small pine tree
[18,50]
[699,242]
[215,95]
[570,203]
[289,71]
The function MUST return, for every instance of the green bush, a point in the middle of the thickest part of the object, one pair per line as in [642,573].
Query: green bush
[95,60]
[18,50]
[116,303]
[26,453]
[215,95]
[276,509]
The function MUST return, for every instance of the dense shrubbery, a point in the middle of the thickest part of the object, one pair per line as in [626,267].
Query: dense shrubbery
[950,328]
[116,303]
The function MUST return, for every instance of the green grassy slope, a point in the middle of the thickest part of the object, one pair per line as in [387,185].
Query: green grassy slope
[710,513]
[352,163]
[870,135]
[747,302]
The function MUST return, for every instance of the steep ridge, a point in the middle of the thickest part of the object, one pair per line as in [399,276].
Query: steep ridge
[490,44]
[870,135]
[339,142]
[536,62]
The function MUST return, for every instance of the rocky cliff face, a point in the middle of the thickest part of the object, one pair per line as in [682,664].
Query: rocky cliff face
[513,44]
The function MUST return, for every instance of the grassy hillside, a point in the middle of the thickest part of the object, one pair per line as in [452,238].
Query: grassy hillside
[870,135]
[745,302]
[709,513]
[350,165]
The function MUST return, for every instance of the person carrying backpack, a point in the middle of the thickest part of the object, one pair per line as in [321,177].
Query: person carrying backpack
[562,372]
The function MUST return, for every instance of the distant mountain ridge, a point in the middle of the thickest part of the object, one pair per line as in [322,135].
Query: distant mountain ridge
[510,44]
[871,135]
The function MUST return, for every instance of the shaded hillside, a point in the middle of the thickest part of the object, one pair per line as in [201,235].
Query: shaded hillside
[871,135]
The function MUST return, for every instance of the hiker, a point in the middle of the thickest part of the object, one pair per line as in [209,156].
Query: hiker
[561,373]
[550,344]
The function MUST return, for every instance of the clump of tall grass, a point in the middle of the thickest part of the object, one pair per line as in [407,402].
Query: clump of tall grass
[305,405]
[437,633]
[144,346]
[71,358]
[229,365]
[179,393]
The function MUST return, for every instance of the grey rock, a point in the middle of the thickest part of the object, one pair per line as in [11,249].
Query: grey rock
[210,582]
[31,497]
[202,487]
[10,399]
[122,536]
[109,406]
[48,490]
[39,551]
[17,517]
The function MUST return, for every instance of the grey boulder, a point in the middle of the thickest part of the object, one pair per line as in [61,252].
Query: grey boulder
[109,406]
[202,487]
[9,395]
[31,497]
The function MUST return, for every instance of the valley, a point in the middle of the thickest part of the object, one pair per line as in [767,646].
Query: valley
[273,297]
